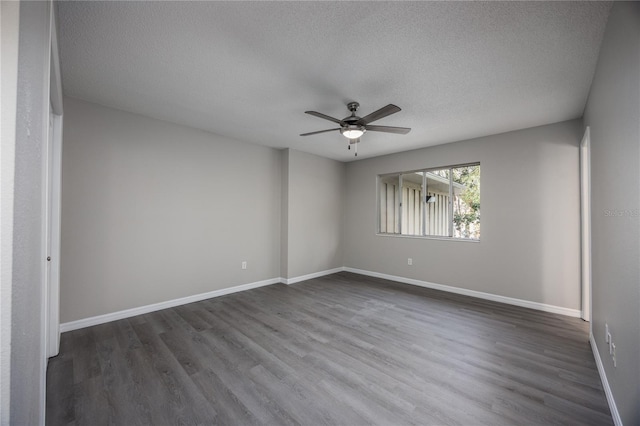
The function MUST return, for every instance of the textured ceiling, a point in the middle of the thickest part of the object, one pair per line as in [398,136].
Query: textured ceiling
[249,70]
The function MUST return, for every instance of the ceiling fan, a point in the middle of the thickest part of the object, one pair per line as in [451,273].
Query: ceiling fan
[352,127]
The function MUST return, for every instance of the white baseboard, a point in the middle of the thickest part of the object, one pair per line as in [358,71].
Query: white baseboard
[473,293]
[605,383]
[127,313]
[310,276]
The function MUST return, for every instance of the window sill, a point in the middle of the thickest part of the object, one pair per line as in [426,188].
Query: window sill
[427,237]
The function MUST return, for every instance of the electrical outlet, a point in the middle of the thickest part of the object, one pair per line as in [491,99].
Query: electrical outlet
[409,261]
[244,264]
[606,333]
[613,354]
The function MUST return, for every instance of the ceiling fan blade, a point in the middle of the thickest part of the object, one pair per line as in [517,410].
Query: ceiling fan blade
[319,131]
[381,113]
[388,129]
[326,117]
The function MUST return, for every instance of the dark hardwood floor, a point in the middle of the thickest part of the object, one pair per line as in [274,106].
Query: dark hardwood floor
[342,349]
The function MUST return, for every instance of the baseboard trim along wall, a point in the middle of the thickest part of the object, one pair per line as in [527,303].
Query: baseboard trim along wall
[473,293]
[605,383]
[311,276]
[127,313]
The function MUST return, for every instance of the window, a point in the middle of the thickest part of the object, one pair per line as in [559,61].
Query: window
[442,202]
[389,204]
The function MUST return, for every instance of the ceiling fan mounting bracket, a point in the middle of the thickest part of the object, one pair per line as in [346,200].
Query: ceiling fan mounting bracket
[353,106]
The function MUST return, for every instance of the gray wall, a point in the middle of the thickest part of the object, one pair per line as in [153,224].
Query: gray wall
[9,31]
[613,112]
[284,213]
[27,354]
[530,242]
[315,202]
[153,211]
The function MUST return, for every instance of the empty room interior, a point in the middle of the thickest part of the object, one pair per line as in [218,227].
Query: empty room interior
[312,213]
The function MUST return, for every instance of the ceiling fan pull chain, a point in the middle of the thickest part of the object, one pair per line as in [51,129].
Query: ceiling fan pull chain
[356,144]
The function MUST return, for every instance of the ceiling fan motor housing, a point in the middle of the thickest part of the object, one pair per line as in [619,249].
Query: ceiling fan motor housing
[351,129]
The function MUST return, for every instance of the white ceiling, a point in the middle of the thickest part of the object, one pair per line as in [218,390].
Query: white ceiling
[249,70]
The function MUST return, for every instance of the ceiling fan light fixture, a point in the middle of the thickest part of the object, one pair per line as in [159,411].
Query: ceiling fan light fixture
[352,131]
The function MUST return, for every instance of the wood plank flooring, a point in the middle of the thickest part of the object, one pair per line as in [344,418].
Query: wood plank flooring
[343,349]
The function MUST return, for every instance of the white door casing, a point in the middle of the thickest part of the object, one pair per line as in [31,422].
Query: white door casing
[585,222]
[54,184]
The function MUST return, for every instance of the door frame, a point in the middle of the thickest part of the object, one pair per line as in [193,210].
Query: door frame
[52,235]
[52,200]
[585,222]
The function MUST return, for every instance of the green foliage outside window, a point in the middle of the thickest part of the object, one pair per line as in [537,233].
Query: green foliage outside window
[466,211]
